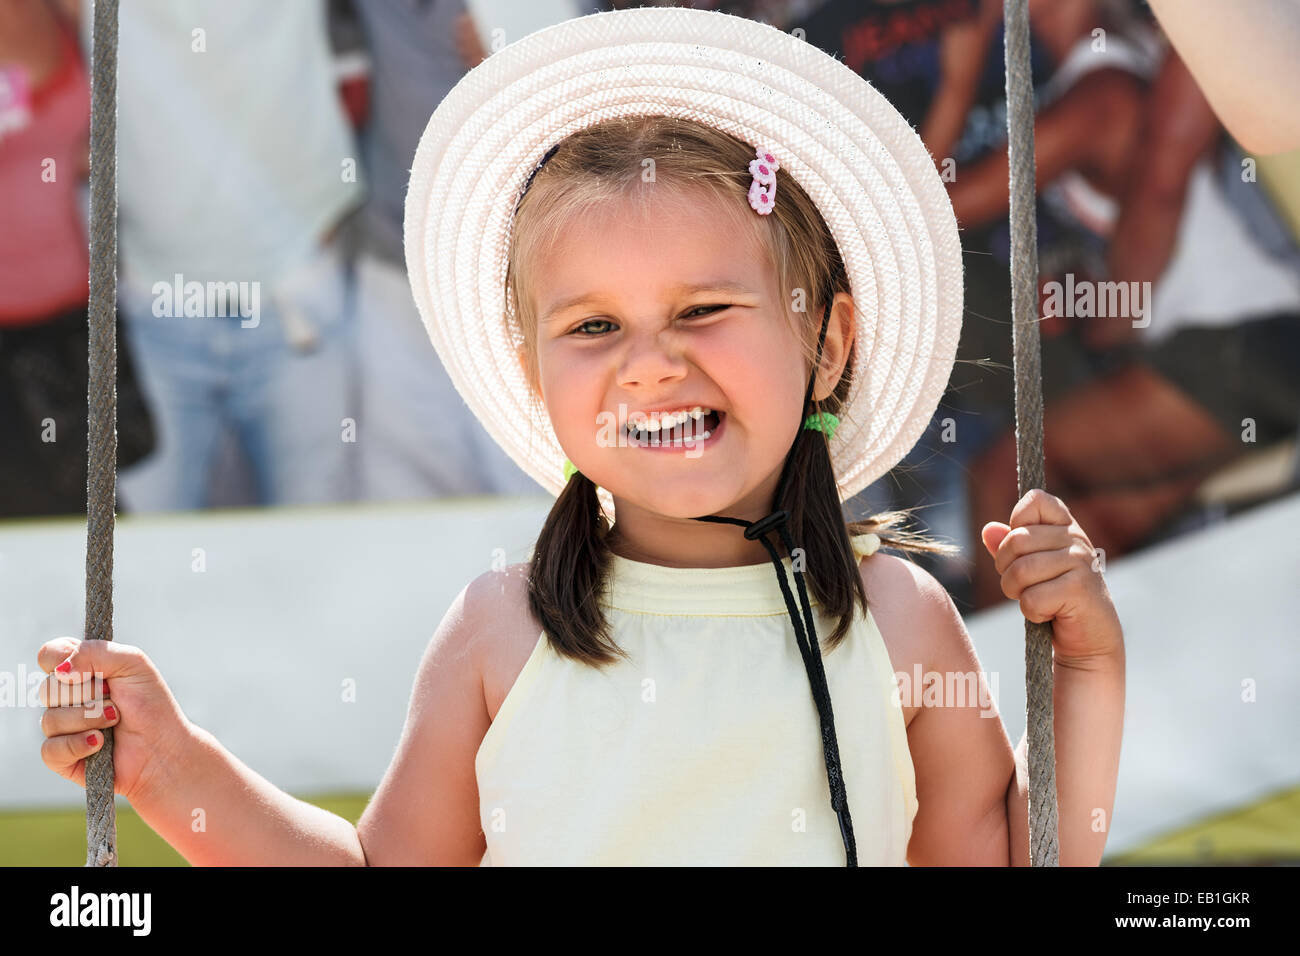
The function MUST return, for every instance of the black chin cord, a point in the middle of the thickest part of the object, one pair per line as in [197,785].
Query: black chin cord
[805,631]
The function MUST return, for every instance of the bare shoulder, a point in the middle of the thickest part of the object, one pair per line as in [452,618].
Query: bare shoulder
[502,629]
[915,615]
[448,716]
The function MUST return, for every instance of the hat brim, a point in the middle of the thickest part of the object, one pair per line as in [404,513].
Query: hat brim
[867,170]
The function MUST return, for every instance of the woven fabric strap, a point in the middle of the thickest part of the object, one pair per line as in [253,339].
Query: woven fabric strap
[1029,419]
[101,393]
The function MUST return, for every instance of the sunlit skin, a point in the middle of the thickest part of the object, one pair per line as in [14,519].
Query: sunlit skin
[640,342]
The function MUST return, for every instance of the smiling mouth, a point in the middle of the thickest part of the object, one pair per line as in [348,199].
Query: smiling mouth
[681,434]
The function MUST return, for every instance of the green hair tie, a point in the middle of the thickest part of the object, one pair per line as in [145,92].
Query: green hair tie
[570,469]
[823,422]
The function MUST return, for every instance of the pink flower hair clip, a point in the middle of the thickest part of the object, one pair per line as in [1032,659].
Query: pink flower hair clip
[762,193]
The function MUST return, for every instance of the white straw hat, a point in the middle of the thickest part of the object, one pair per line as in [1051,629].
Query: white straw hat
[857,158]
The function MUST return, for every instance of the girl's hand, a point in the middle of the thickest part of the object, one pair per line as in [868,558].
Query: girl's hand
[1048,564]
[80,701]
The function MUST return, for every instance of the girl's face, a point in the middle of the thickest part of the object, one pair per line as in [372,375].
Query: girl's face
[671,310]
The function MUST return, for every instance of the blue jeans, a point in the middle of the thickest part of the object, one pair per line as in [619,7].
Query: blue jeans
[280,375]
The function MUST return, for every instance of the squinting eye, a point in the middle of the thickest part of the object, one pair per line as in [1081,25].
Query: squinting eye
[707,309]
[579,328]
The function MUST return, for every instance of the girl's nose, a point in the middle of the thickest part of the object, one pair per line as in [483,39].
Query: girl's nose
[651,361]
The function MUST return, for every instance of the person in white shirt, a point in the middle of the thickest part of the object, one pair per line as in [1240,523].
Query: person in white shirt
[236,167]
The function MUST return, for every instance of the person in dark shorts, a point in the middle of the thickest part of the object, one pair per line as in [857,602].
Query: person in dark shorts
[1131,447]
[1247,371]
[1140,409]
[44,332]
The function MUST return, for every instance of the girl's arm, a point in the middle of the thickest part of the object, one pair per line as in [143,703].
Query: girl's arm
[960,751]
[216,811]
[971,786]
[1088,704]
[194,793]
[425,811]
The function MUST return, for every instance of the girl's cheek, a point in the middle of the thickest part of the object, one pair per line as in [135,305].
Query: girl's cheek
[746,373]
[572,410]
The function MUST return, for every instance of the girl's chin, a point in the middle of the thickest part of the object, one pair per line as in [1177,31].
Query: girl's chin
[666,502]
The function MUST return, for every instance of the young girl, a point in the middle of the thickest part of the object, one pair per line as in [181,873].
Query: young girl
[644,324]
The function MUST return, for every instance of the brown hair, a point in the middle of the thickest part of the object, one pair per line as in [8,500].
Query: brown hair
[607,162]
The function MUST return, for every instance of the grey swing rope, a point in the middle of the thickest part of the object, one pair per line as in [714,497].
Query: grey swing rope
[1043,849]
[101,396]
[101,474]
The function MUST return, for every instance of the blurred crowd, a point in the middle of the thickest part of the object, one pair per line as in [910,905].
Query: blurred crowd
[269,350]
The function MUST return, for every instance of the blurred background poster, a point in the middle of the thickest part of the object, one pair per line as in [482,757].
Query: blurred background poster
[494,18]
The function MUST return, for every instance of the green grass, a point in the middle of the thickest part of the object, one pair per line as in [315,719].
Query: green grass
[1266,832]
[58,837]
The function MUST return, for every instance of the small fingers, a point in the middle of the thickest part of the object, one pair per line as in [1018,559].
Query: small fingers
[62,754]
[1042,601]
[1036,506]
[92,659]
[61,721]
[1035,568]
[55,652]
[56,693]
[1027,540]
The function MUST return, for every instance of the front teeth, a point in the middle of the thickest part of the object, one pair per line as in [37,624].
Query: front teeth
[667,422]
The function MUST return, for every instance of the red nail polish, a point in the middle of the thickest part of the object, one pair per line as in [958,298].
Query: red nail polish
[90,739]
[110,712]
[65,666]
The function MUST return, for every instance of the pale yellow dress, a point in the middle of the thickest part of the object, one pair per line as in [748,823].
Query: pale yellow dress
[704,749]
